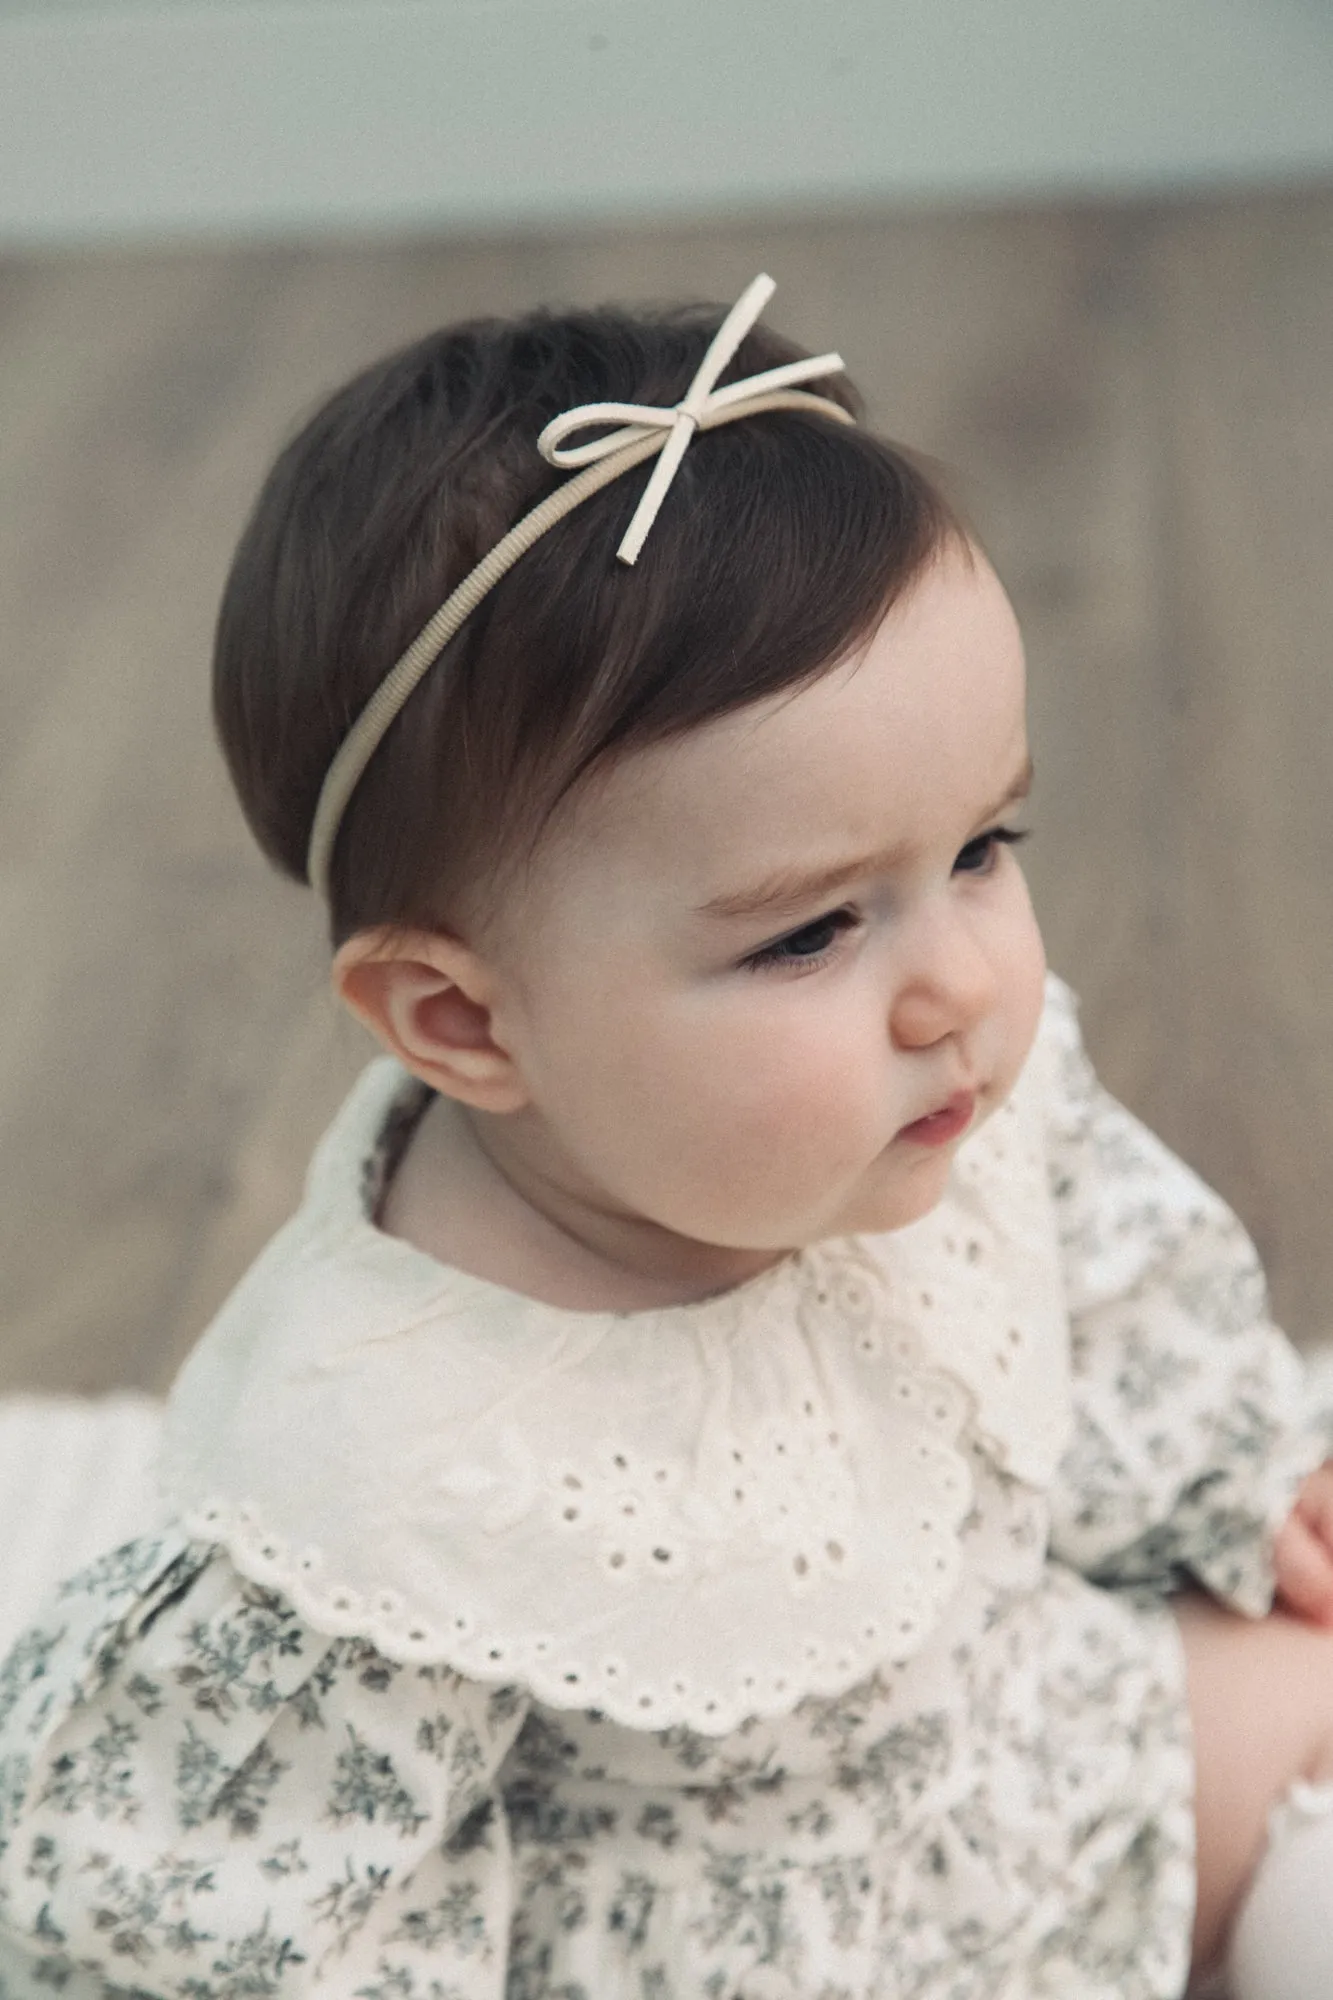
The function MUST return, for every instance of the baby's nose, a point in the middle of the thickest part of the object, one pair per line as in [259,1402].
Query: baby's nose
[949,989]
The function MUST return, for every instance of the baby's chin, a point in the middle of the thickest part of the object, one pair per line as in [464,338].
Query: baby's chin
[896,1191]
[926,1197]
[880,1211]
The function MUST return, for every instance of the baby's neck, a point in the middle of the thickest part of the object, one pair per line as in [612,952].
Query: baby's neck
[464,1196]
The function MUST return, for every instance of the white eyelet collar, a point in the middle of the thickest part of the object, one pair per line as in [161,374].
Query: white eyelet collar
[677,1517]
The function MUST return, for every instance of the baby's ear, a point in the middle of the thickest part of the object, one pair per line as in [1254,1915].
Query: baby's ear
[429,998]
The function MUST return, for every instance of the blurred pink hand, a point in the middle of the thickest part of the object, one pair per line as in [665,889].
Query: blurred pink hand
[1303,1552]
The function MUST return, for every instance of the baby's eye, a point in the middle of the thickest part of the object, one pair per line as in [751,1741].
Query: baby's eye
[980,855]
[813,944]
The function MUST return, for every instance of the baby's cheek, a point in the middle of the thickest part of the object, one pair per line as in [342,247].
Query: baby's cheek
[765,1106]
[794,1128]
[775,1072]
[1024,964]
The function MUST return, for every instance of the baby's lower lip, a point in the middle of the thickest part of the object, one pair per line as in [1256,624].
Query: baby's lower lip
[943,1125]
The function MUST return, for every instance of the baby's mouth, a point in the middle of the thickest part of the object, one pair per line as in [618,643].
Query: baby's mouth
[937,1128]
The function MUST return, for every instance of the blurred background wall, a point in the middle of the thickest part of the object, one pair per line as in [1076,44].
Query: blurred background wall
[208,115]
[1082,255]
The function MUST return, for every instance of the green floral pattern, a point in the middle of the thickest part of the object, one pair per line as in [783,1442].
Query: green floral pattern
[290,1813]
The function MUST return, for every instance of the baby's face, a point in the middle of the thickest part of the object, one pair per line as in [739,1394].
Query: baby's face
[764,952]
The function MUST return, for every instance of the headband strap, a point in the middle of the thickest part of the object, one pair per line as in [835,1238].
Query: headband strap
[644,433]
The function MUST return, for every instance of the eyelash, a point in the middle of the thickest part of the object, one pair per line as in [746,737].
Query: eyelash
[777,957]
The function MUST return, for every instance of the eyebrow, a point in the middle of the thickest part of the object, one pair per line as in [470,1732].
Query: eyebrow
[790,888]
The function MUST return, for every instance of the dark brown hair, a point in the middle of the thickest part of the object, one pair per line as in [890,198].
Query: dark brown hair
[783,540]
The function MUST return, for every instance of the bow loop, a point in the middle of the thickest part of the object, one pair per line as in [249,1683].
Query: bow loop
[636,421]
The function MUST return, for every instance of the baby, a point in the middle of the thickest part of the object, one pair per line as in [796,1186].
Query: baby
[740,1478]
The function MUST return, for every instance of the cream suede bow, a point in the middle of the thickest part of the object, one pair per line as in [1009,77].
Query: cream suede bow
[699,409]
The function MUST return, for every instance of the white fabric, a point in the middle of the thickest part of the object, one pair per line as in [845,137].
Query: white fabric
[1282,1948]
[625,1510]
[77,1475]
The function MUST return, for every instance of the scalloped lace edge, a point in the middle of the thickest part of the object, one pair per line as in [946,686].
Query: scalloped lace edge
[390,1625]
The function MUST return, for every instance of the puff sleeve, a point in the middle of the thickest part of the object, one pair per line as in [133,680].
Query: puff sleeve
[1193,1428]
[203,1798]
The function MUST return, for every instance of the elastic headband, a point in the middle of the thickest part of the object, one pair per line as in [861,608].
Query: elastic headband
[644,433]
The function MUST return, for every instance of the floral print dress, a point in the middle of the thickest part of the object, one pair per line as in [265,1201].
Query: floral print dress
[809,1643]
